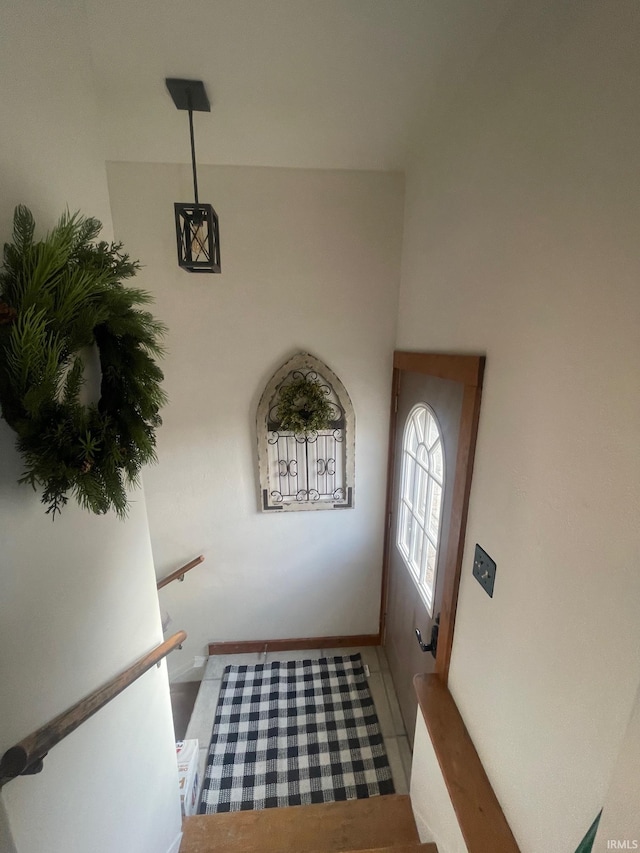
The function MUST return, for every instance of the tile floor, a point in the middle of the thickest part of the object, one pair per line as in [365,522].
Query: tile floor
[380,684]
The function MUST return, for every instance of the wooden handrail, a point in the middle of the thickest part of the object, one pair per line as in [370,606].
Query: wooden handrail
[180,573]
[25,758]
[480,816]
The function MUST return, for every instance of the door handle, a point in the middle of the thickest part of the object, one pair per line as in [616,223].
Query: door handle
[433,645]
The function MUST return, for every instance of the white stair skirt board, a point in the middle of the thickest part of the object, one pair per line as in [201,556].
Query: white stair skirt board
[175,847]
[188,672]
[432,807]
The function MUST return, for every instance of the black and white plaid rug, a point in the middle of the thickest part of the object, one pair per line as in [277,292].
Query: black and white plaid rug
[294,733]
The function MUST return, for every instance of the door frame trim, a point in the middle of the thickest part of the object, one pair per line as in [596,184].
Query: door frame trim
[468,370]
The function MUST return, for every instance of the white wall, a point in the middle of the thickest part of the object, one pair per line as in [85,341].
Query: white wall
[78,600]
[6,838]
[620,819]
[310,261]
[78,606]
[521,241]
[50,152]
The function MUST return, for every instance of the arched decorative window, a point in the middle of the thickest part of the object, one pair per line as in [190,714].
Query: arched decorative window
[304,467]
[421,498]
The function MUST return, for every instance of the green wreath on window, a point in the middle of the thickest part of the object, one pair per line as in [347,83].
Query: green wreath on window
[303,407]
[57,296]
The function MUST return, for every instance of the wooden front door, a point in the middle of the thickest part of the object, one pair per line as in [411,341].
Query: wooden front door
[434,424]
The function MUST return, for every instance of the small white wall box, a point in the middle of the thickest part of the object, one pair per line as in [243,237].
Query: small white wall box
[187,755]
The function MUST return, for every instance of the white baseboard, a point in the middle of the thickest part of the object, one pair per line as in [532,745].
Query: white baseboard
[179,671]
[188,672]
[175,847]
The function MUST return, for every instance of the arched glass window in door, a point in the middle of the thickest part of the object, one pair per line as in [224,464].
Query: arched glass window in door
[421,498]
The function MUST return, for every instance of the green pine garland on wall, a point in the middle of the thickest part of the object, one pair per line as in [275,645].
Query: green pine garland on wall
[57,296]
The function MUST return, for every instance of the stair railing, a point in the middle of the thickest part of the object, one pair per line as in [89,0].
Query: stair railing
[181,572]
[26,757]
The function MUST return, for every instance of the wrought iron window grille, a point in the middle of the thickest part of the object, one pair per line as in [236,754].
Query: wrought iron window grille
[306,470]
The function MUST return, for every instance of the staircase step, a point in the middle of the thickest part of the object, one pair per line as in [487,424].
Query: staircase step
[352,825]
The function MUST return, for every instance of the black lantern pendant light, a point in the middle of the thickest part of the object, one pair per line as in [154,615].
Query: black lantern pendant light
[197,230]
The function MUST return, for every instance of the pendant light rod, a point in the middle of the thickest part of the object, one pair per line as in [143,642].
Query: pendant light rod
[190,95]
[193,154]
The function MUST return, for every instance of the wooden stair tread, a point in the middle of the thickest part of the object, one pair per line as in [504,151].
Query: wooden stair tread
[352,825]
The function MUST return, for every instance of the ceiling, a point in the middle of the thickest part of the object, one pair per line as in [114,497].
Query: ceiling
[299,83]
